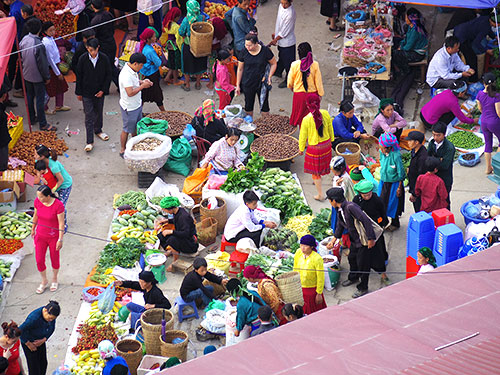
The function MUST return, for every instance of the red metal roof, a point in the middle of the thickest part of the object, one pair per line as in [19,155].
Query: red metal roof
[384,332]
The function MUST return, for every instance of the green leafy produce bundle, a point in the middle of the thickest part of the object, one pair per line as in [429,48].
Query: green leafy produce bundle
[320,227]
[239,181]
[466,140]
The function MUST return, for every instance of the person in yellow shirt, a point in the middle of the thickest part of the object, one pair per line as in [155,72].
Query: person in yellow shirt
[304,77]
[317,131]
[309,264]
[172,41]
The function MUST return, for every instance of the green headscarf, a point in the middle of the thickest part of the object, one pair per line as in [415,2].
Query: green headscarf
[156,31]
[427,253]
[171,362]
[170,202]
[383,103]
[193,11]
[363,187]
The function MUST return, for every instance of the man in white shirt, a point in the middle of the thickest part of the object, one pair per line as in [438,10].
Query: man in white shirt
[446,67]
[284,37]
[130,96]
[243,223]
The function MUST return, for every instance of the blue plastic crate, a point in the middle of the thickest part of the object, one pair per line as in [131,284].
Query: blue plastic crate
[447,242]
[420,233]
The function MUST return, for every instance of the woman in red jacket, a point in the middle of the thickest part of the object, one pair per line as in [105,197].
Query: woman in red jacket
[9,347]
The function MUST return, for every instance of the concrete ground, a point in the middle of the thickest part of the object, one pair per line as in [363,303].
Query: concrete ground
[102,173]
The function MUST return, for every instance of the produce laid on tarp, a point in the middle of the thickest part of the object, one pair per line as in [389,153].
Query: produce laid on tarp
[465,140]
[240,180]
[300,224]
[15,225]
[45,11]
[276,147]
[320,226]
[281,239]
[272,266]
[273,124]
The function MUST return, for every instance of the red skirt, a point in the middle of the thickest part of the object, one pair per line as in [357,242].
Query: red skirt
[299,108]
[310,301]
[55,85]
[318,157]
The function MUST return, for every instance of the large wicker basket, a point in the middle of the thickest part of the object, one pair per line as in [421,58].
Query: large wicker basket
[350,159]
[131,351]
[173,130]
[219,213]
[151,328]
[206,231]
[202,34]
[174,350]
[268,138]
[290,287]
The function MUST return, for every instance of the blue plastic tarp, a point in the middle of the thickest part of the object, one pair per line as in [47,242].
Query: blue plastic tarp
[471,4]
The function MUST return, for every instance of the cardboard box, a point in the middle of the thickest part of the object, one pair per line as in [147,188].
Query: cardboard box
[8,200]
[148,361]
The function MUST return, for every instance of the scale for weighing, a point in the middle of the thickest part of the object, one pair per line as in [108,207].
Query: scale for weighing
[156,262]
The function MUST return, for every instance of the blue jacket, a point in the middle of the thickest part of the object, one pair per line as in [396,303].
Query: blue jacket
[153,62]
[474,32]
[112,363]
[15,11]
[345,128]
[240,24]
[247,311]
[35,327]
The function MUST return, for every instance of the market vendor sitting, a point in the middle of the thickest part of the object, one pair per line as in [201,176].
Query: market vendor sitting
[243,223]
[192,288]
[223,154]
[153,296]
[114,363]
[444,107]
[346,126]
[181,239]
[247,308]
[206,123]
[388,120]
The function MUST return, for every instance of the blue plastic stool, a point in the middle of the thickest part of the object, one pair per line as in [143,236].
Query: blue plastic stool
[181,304]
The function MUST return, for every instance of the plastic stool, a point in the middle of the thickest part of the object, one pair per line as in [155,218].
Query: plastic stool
[443,216]
[224,243]
[181,304]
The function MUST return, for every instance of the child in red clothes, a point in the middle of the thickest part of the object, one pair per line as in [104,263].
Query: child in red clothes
[222,78]
[9,348]
[45,174]
[430,188]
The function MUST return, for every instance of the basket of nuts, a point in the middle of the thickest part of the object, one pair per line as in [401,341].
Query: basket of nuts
[276,148]
[177,121]
[273,124]
[147,152]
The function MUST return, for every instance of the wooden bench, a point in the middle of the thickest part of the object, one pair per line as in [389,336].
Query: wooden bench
[423,68]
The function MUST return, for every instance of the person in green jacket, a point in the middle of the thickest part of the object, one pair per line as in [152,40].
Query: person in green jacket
[392,174]
[441,148]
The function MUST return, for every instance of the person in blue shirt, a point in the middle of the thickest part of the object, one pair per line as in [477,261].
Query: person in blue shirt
[151,70]
[115,365]
[36,330]
[241,22]
[346,126]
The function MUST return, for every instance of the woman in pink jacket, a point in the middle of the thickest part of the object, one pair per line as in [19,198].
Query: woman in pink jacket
[388,120]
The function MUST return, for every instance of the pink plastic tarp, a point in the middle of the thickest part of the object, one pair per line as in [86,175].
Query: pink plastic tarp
[8,33]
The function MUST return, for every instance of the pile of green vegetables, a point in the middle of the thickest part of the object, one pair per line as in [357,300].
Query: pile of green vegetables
[281,239]
[239,181]
[289,206]
[277,181]
[123,254]
[156,200]
[467,126]
[406,156]
[466,140]
[134,199]
[269,265]
[320,227]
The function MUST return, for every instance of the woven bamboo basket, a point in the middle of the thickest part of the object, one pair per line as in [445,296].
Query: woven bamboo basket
[290,287]
[219,213]
[172,131]
[206,231]
[202,34]
[265,139]
[131,351]
[290,132]
[151,328]
[350,159]
[174,350]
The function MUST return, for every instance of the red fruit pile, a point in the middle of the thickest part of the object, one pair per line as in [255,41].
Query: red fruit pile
[91,336]
[44,9]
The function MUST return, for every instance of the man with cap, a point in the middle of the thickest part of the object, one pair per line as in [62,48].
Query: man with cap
[374,207]
[181,239]
[4,131]
[153,296]
[441,148]
[359,260]
[416,140]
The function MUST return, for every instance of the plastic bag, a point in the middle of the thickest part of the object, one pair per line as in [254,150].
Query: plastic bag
[234,110]
[189,132]
[107,299]
[332,261]
[147,161]
[215,181]
[215,321]
[215,304]
[195,182]
[179,160]
[149,125]
[160,188]
[363,97]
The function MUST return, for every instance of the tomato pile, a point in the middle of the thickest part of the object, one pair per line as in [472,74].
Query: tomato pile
[10,246]
[44,10]
[91,336]
[94,291]
[127,212]
[122,292]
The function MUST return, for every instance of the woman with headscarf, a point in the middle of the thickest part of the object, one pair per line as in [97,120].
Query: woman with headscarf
[151,69]
[206,123]
[317,131]
[388,120]
[426,259]
[223,154]
[172,41]
[191,65]
[267,289]
[392,174]
[181,239]
[153,296]
[309,264]
[304,77]
[114,363]
[346,125]
[246,309]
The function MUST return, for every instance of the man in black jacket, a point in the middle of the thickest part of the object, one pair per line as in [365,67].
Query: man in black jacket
[81,49]
[416,142]
[93,76]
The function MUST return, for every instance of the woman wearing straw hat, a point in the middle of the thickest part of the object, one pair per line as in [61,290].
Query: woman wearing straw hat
[309,264]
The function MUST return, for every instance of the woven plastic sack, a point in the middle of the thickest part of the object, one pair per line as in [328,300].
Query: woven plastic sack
[149,125]
[215,321]
[147,161]
[107,299]
[179,160]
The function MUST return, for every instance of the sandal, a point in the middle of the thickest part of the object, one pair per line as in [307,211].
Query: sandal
[48,128]
[54,286]
[121,154]
[64,108]
[41,288]
[336,28]
[89,147]
[50,112]
[318,198]
[186,88]
[103,136]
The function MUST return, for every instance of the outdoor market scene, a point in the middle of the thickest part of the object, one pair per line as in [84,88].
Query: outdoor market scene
[242,185]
